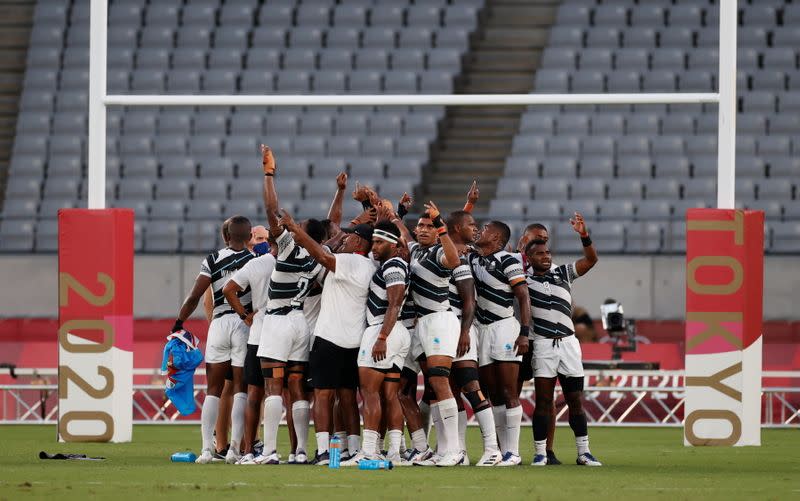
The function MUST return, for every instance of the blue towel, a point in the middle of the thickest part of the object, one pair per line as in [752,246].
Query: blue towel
[182,355]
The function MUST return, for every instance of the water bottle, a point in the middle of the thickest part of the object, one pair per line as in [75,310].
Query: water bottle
[334,452]
[184,457]
[375,464]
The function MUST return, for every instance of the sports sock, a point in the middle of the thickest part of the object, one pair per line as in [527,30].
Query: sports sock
[419,441]
[300,416]
[462,430]
[323,437]
[513,421]
[370,443]
[499,412]
[582,444]
[237,421]
[485,419]
[403,443]
[353,444]
[436,420]
[540,446]
[395,439]
[208,418]
[273,409]
[425,414]
[448,410]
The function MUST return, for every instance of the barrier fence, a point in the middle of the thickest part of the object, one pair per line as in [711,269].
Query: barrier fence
[612,398]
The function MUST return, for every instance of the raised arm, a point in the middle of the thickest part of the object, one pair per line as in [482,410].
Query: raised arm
[472,197]
[302,239]
[270,195]
[450,259]
[402,210]
[335,212]
[589,258]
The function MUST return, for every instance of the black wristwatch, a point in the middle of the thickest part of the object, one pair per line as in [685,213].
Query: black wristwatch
[242,315]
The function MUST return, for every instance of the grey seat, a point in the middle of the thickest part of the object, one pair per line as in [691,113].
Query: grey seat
[330,82]
[178,167]
[559,167]
[633,145]
[774,189]
[257,81]
[329,167]
[543,210]
[386,15]
[349,146]
[452,38]
[291,82]
[670,166]
[350,16]
[404,168]
[162,236]
[648,210]
[365,82]
[590,82]
[551,81]
[596,166]
[335,59]
[219,81]
[560,58]
[551,189]
[410,59]
[143,167]
[216,167]
[616,210]
[517,188]
[461,16]
[309,146]
[610,15]
[363,168]
[170,144]
[522,167]
[786,237]
[379,37]
[588,189]
[372,59]
[596,59]
[666,189]
[200,235]
[16,235]
[644,237]
[784,167]
[415,146]
[273,38]
[136,189]
[667,145]
[141,209]
[423,15]
[305,37]
[446,59]
[506,208]
[415,37]
[634,59]
[565,36]
[167,210]
[563,145]
[381,146]
[20,209]
[167,189]
[603,37]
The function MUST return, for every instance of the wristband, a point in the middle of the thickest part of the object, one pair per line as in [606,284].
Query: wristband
[586,241]
[366,204]
[524,330]
[468,207]
[178,326]
[382,338]
[242,315]
[266,174]
[402,211]
[442,231]
[438,222]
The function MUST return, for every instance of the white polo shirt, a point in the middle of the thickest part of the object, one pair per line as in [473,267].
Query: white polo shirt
[343,311]
[256,274]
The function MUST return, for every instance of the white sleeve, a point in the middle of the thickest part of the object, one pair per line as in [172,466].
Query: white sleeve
[205,269]
[242,277]
[286,244]
[394,275]
[570,272]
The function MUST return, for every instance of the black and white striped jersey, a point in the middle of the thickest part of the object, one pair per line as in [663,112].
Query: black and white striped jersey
[495,275]
[408,315]
[430,279]
[393,271]
[220,266]
[551,301]
[461,272]
[291,281]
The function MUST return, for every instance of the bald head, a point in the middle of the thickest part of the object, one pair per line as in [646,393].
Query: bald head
[258,234]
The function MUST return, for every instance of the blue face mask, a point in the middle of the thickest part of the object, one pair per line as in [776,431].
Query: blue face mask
[261,249]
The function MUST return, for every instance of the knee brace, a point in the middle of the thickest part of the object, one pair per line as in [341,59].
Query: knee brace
[439,371]
[465,375]
[273,372]
[476,400]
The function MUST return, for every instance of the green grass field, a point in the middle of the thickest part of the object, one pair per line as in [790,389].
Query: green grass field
[639,464]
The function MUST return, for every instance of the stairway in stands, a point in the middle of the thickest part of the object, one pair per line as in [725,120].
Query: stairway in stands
[15,27]
[474,141]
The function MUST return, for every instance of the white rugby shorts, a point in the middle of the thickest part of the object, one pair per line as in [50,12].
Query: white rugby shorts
[560,356]
[227,340]
[414,351]
[496,342]
[285,337]
[397,347]
[438,332]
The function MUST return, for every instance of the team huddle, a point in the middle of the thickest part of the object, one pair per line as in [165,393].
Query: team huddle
[324,312]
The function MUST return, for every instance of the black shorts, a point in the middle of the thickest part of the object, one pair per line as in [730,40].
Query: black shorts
[252,367]
[333,367]
[526,369]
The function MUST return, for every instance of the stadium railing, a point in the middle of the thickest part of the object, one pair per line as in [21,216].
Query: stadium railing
[618,398]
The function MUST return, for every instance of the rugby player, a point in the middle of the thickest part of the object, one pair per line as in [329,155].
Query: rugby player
[284,344]
[384,347]
[226,345]
[463,231]
[499,279]
[255,275]
[557,353]
[433,258]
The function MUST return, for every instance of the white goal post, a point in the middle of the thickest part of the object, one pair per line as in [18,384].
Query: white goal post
[99,101]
